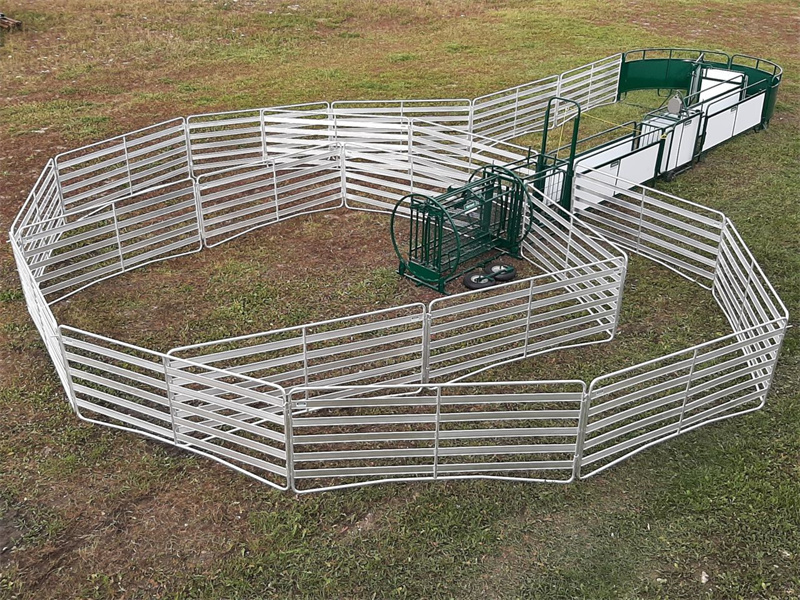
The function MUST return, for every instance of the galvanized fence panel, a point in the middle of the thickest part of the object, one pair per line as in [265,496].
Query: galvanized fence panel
[236,200]
[345,437]
[301,131]
[591,85]
[640,406]
[438,157]
[222,140]
[231,139]
[117,384]
[310,132]
[234,419]
[515,111]
[379,133]
[554,241]
[473,331]
[100,242]
[740,287]
[562,247]
[193,407]
[678,234]
[447,113]
[304,185]
[460,150]
[39,215]
[240,199]
[97,174]
[377,182]
[40,312]
[381,346]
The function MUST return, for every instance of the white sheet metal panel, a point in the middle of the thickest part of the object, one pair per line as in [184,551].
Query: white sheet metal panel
[593,158]
[637,167]
[685,136]
[718,89]
[719,127]
[609,157]
[748,113]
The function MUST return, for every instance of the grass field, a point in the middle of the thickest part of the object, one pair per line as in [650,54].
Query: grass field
[87,512]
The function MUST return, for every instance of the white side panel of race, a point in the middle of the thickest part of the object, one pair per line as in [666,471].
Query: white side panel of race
[720,112]
[721,98]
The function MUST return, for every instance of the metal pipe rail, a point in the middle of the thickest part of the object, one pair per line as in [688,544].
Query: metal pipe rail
[382,396]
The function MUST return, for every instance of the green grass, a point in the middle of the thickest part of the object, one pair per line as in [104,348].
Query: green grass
[101,514]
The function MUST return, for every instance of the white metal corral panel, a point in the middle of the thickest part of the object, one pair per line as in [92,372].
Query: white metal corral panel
[719,84]
[637,167]
[719,128]
[748,114]
[683,150]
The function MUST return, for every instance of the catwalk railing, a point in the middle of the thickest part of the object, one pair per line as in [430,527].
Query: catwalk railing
[374,397]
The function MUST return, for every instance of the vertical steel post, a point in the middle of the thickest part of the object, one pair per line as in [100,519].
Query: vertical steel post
[263,132]
[119,241]
[426,345]
[289,440]
[188,140]
[170,400]
[73,399]
[686,390]
[198,209]
[580,439]
[343,173]
[528,319]
[127,164]
[275,192]
[436,432]
[641,220]
[411,153]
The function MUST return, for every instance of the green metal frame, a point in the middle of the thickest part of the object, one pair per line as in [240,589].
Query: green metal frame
[447,231]
[487,213]
[544,158]
[673,69]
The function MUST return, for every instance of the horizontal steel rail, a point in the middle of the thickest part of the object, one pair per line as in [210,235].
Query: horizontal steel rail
[378,397]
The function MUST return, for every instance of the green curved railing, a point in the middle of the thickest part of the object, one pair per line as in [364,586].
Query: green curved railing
[674,68]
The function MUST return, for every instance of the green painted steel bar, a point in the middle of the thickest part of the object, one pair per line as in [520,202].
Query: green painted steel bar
[566,191]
